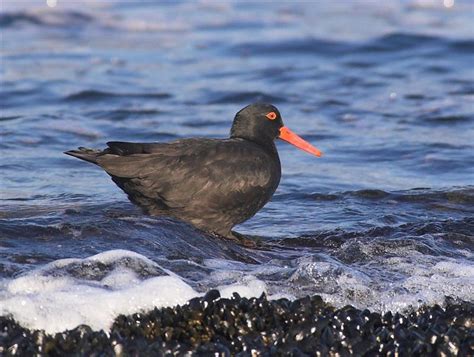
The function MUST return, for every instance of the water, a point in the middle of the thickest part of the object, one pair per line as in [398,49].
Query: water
[385,220]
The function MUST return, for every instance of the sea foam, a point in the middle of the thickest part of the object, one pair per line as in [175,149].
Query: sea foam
[49,299]
[94,291]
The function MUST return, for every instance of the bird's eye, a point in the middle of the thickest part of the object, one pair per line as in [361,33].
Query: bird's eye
[271,115]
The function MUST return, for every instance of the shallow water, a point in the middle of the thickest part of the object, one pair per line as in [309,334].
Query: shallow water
[384,220]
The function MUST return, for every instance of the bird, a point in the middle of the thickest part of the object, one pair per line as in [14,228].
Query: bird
[213,184]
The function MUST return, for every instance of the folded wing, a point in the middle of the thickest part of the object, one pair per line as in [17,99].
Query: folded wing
[216,174]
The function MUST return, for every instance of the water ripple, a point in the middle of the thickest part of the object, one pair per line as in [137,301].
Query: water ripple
[92,95]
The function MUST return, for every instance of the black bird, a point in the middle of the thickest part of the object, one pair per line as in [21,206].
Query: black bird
[213,184]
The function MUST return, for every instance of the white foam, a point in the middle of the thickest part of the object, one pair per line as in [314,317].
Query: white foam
[249,287]
[56,303]
[54,299]
[94,291]
[417,280]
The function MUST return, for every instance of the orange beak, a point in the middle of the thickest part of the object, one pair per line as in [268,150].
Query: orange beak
[287,135]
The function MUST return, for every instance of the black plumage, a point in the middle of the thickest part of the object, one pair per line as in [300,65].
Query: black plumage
[213,184]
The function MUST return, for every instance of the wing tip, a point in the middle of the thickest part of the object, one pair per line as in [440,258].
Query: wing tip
[83,154]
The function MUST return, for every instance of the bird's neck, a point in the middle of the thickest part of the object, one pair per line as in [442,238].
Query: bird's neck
[266,144]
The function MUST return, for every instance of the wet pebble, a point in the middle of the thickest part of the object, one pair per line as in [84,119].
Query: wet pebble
[216,326]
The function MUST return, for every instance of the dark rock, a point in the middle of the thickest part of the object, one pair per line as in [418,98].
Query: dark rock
[211,325]
[212,295]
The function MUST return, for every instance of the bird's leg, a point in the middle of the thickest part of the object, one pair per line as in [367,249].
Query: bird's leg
[236,238]
[240,239]
[245,241]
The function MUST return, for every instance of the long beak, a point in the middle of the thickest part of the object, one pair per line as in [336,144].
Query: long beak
[287,135]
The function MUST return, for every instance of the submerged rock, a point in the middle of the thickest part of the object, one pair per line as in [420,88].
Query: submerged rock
[241,326]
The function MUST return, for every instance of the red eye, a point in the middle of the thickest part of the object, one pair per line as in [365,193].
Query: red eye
[271,115]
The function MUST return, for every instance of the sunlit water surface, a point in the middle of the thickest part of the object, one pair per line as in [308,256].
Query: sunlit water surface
[385,220]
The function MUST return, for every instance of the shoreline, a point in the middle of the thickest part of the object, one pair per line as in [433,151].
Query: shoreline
[258,325]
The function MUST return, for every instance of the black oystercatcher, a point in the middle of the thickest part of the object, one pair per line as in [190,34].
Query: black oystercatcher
[214,184]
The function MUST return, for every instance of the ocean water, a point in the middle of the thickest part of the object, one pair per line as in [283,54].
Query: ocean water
[384,220]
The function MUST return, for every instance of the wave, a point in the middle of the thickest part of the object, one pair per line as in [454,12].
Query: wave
[123,114]
[400,41]
[39,18]
[245,98]
[10,117]
[455,233]
[463,196]
[388,43]
[74,20]
[95,290]
[119,261]
[448,119]
[295,46]
[92,95]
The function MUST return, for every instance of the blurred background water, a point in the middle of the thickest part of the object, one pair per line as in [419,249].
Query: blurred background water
[386,89]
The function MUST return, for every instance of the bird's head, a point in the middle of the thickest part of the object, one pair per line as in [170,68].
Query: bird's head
[262,123]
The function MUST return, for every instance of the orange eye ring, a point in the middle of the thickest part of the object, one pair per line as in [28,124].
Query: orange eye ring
[271,116]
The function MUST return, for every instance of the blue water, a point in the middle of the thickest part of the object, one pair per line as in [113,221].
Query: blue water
[385,89]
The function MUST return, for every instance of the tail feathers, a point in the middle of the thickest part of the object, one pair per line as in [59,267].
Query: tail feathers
[85,154]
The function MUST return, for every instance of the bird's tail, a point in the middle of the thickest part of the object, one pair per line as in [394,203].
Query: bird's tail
[85,154]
